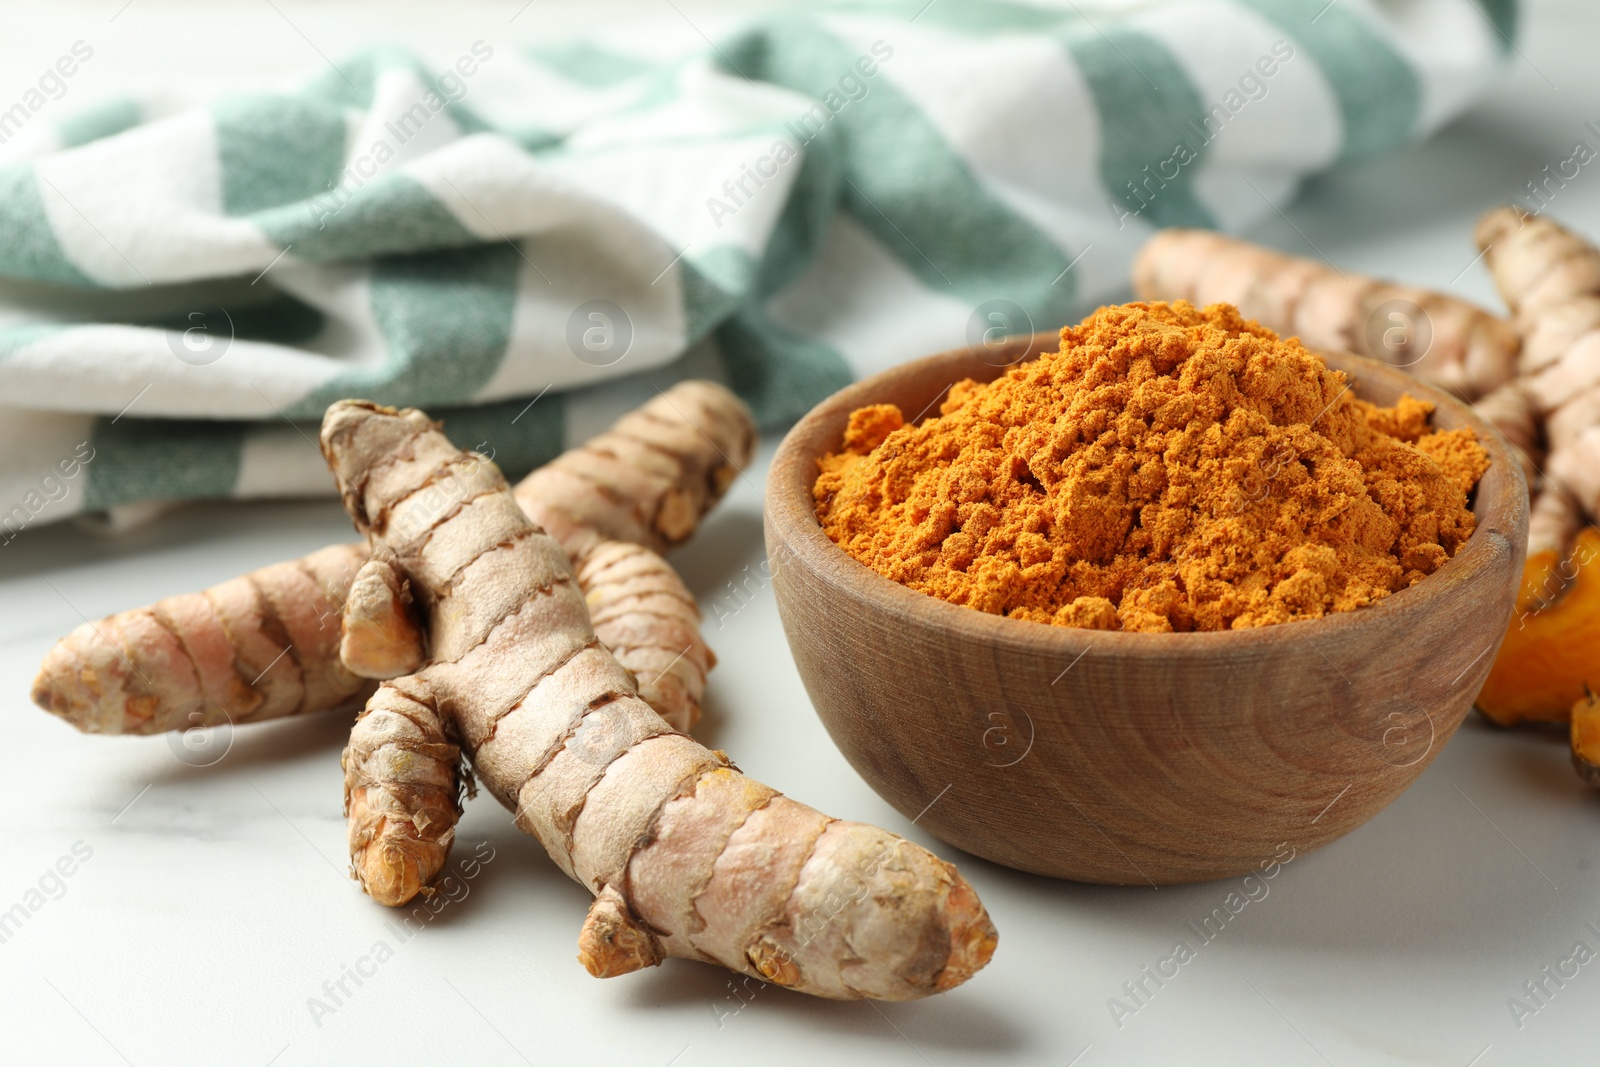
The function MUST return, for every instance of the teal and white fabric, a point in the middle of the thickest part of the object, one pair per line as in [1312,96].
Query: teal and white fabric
[527,242]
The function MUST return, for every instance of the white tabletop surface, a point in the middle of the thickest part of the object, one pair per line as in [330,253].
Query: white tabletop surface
[212,904]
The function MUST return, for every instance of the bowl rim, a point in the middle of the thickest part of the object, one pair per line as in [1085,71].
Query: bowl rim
[1501,508]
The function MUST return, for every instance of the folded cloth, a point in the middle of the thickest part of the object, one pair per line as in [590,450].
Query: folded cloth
[525,243]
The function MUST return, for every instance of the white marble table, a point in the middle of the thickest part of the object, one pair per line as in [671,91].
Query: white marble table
[206,917]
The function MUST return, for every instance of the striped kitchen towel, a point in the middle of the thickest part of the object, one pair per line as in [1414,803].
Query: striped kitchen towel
[527,242]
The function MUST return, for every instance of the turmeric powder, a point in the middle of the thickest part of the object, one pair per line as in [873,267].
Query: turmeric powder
[1169,469]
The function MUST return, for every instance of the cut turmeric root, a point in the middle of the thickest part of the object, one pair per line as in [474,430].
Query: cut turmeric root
[1552,650]
[266,645]
[685,855]
[1586,737]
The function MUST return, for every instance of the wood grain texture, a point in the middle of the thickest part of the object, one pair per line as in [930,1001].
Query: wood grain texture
[1133,758]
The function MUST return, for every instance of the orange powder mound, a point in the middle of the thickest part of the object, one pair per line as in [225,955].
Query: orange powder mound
[1170,468]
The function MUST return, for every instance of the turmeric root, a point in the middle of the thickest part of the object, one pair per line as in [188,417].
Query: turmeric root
[402,793]
[1541,268]
[1468,350]
[266,645]
[257,647]
[650,478]
[378,634]
[684,855]
[1550,278]
[1512,411]
[1552,648]
[641,611]
[638,606]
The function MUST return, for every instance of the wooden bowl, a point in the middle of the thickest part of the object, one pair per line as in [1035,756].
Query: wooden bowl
[1133,758]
